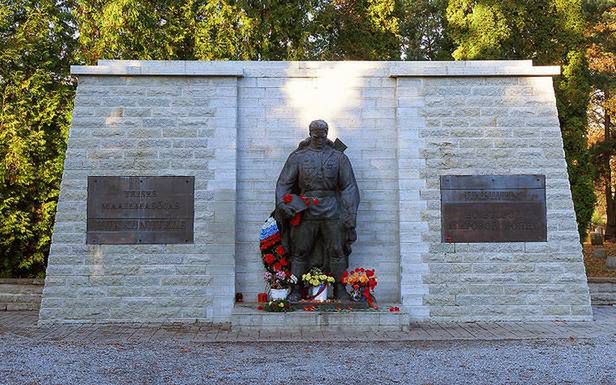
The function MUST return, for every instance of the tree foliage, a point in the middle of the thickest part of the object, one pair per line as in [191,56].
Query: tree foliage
[424,33]
[238,30]
[601,54]
[37,40]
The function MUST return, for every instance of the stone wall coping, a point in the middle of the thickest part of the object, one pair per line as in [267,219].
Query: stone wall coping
[314,68]
[602,280]
[156,69]
[470,70]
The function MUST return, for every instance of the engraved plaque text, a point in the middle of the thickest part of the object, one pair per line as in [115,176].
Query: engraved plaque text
[140,209]
[493,208]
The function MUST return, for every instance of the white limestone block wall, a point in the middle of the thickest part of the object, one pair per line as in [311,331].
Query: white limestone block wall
[482,126]
[277,101]
[147,126]
[232,125]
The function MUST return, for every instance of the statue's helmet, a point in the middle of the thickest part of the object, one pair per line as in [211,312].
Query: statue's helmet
[319,124]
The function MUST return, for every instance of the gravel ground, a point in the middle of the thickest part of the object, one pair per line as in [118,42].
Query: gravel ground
[588,361]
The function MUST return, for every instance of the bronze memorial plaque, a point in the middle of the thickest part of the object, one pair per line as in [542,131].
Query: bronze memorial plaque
[140,209]
[493,208]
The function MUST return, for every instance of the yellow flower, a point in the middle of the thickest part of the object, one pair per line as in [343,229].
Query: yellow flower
[281,304]
[322,276]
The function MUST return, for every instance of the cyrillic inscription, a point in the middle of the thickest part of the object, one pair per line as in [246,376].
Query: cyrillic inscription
[145,209]
[493,208]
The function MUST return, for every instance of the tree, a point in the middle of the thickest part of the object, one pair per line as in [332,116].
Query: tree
[601,54]
[424,30]
[357,30]
[549,32]
[144,30]
[223,31]
[282,29]
[37,92]
[238,29]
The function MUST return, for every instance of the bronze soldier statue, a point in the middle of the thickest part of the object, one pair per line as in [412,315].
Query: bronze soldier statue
[316,205]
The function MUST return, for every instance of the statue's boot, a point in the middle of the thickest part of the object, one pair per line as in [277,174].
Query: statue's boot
[297,269]
[296,294]
[340,292]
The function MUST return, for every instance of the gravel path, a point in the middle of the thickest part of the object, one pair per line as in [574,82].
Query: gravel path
[588,361]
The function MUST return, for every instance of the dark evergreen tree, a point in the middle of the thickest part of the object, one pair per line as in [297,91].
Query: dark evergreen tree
[37,40]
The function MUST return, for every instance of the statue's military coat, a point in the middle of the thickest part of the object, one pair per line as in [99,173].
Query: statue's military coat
[327,175]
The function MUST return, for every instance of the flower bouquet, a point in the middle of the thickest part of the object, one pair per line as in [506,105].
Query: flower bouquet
[279,283]
[362,283]
[318,282]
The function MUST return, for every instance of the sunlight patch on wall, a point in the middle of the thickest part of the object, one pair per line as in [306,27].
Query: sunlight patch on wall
[331,95]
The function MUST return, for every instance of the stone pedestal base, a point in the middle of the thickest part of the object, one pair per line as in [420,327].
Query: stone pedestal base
[246,317]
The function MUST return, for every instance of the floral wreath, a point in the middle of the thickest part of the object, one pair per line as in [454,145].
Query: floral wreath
[273,254]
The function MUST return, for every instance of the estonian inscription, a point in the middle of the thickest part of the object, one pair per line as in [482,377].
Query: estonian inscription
[145,209]
[493,208]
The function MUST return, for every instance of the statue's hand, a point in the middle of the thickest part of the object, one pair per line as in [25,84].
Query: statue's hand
[287,211]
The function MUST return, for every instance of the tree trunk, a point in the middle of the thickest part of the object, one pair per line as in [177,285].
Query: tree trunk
[610,200]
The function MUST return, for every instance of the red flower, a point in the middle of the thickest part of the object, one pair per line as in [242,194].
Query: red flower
[356,286]
[296,219]
[280,250]
[287,198]
[259,307]
[277,266]
[315,201]
[361,269]
[269,259]
[369,273]
[283,262]
[368,296]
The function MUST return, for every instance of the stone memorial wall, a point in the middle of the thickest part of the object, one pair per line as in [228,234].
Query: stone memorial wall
[407,125]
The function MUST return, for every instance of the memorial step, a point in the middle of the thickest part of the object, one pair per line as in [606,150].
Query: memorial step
[20,306]
[20,294]
[20,297]
[246,316]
